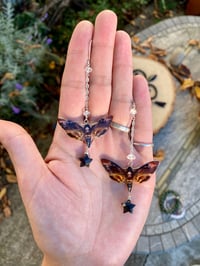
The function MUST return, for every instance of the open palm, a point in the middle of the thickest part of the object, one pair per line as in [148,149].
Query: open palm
[75,212]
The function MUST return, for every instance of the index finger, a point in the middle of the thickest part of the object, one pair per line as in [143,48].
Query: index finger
[72,95]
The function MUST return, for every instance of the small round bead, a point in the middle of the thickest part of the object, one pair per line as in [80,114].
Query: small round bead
[133,111]
[86,113]
[131,157]
[88,69]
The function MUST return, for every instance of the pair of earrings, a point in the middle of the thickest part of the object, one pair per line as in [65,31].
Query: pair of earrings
[87,131]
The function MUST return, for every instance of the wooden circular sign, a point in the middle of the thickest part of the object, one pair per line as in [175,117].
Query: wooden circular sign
[161,88]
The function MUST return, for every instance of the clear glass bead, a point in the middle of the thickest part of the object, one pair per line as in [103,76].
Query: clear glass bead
[131,157]
[86,113]
[133,111]
[88,69]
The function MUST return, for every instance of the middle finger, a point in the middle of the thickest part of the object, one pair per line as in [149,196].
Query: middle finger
[102,62]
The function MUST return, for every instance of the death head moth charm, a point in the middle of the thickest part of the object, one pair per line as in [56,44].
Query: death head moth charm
[87,130]
[128,176]
[85,133]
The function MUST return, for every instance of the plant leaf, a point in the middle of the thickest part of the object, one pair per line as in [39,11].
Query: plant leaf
[187,84]
[197,92]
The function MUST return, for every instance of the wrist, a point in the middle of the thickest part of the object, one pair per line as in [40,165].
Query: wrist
[53,262]
[75,261]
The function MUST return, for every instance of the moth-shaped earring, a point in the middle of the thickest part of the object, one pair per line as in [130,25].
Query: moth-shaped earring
[130,174]
[87,130]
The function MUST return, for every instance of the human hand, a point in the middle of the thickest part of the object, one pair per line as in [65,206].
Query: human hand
[75,212]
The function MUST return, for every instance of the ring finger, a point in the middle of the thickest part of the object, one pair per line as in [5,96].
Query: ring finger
[122,80]
[143,123]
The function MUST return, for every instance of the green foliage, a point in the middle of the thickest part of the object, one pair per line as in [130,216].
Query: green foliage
[165,6]
[125,10]
[18,5]
[26,62]
[14,2]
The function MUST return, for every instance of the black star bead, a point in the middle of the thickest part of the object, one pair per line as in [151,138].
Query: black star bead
[85,160]
[128,206]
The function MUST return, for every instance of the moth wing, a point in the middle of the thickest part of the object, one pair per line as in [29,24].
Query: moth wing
[72,128]
[141,177]
[115,171]
[144,172]
[101,126]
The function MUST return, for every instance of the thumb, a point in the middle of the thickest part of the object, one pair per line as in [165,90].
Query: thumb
[25,157]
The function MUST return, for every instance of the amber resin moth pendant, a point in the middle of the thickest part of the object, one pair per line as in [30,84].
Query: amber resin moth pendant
[128,176]
[85,133]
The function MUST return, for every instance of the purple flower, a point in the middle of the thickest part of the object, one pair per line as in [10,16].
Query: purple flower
[44,17]
[15,109]
[18,86]
[49,41]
